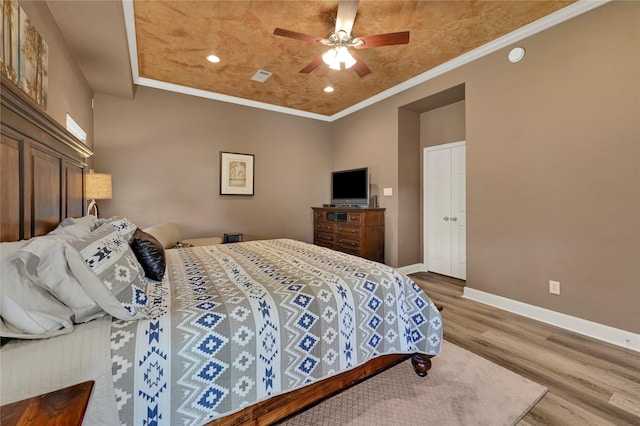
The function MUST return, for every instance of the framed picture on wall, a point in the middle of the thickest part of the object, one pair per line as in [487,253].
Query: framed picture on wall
[236,173]
[9,50]
[34,61]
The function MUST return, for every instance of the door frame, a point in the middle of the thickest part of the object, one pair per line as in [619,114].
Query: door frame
[425,151]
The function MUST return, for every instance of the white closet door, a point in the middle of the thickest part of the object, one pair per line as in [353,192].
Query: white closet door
[458,213]
[445,210]
[438,208]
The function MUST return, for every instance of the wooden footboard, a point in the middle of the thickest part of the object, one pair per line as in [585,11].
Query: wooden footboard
[280,407]
[283,406]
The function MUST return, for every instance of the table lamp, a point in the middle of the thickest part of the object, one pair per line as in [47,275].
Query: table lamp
[97,187]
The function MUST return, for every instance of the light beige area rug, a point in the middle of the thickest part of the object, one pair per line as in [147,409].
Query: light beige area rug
[461,389]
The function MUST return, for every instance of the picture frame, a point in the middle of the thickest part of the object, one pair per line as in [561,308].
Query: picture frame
[10,47]
[236,173]
[34,61]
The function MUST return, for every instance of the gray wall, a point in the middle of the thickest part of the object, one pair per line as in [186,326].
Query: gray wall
[68,90]
[163,151]
[553,184]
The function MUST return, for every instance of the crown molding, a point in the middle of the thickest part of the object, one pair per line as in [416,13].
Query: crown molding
[558,17]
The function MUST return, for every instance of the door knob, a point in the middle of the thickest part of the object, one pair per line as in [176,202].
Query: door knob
[446,218]
[454,219]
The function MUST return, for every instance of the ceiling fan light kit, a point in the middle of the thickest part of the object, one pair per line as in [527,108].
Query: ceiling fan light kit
[340,42]
[336,56]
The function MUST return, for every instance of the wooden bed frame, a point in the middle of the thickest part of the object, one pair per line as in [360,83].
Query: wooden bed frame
[42,175]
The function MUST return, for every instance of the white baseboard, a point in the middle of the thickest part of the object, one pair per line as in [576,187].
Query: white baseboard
[615,336]
[412,269]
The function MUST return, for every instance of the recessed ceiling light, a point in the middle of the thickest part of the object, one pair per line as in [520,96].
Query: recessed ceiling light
[213,58]
[328,89]
[516,54]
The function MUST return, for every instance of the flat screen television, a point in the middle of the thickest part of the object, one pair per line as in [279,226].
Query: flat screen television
[350,187]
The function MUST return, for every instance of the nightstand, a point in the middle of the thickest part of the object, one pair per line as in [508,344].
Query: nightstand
[62,407]
[232,238]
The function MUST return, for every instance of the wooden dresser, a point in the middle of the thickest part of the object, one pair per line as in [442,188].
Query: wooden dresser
[358,231]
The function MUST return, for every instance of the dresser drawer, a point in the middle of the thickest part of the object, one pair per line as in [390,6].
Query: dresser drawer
[326,227]
[348,243]
[325,238]
[354,218]
[320,215]
[324,244]
[348,231]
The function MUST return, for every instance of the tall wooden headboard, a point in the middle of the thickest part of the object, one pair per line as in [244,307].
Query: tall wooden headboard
[42,168]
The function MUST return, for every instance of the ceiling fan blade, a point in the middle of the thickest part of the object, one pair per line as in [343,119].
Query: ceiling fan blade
[347,10]
[384,40]
[295,35]
[312,65]
[359,67]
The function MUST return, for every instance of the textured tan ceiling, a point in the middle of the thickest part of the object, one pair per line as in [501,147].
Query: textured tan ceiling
[174,37]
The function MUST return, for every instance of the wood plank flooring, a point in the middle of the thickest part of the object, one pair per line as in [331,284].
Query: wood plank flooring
[590,382]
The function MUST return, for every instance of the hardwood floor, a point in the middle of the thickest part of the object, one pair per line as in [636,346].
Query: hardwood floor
[590,382]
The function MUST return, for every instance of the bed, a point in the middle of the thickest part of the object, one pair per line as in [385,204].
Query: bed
[248,332]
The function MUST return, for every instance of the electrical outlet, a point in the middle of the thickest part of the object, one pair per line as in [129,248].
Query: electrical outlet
[554,287]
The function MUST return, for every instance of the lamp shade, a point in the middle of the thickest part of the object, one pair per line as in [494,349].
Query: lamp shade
[98,186]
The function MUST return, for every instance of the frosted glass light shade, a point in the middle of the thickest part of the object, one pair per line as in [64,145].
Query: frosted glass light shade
[338,55]
[330,56]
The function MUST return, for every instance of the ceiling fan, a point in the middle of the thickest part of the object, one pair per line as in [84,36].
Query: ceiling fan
[341,43]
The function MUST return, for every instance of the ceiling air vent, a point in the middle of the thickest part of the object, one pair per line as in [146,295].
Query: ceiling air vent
[261,76]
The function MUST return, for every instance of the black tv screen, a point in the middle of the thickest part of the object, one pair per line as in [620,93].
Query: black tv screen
[350,187]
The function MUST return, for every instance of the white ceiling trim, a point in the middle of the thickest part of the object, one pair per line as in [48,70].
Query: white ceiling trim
[562,15]
[226,98]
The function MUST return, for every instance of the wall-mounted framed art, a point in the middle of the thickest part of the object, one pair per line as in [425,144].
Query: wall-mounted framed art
[10,49]
[24,55]
[236,173]
[34,61]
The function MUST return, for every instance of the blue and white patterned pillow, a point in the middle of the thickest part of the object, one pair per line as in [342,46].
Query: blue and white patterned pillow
[109,272]
[124,226]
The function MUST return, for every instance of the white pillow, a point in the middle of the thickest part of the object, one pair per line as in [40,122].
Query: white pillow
[109,272]
[27,310]
[44,261]
[76,227]
[167,234]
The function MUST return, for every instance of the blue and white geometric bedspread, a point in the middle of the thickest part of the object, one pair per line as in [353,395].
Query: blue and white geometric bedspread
[250,320]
